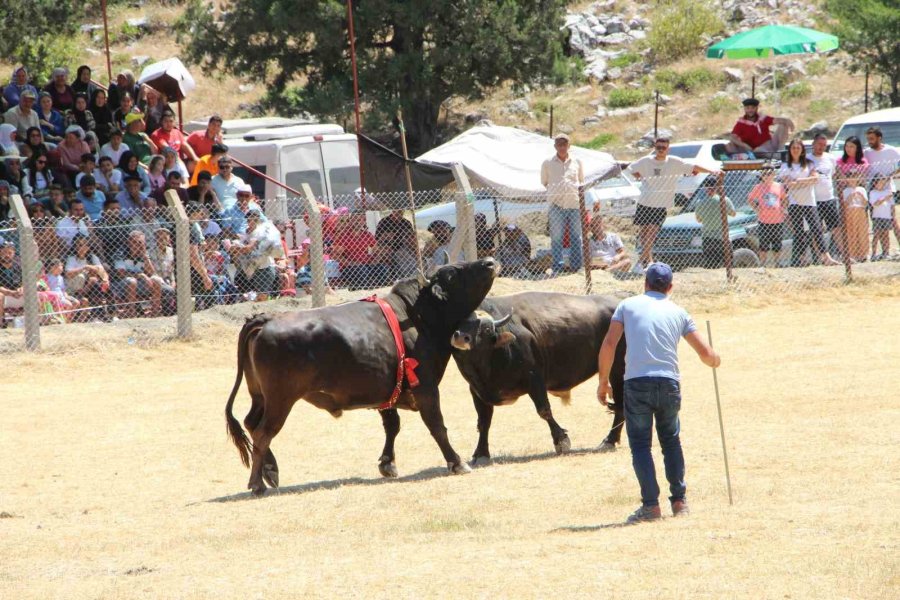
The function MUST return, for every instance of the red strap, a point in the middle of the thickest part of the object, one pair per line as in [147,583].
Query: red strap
[405,366]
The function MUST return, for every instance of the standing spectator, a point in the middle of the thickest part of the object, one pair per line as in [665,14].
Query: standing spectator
[826,202]
[563,176]
[124,108]
[131,199]
[71,151]
[83,83]
[55,203]
[77,223]
[92,198]
[138,141]
[59,89]
[80,115]
[85,276]
[202,141]
[881,199]
[22,116]
[396,240]
[226,183]
[209,162]
[514,251]
[853,159]
[751,132]
[155,173]
[53,123]
[12,294]
[173,182]
[856,201]
[607,250]
[653,325]
[204,193]
[13,174]
[659,176]
[769,200]
[883,160]
[129,166]
[708,212]
[124,85]
[39,177]
[115,147]
[17,86]
[103,116]
[799,179]
[108,179]
[484,236]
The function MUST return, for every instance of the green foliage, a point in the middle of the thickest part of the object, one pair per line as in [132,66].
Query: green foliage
[820,107]
[602,140]
[624,60]
[689,81]
[626,97]
[414,55]
[680,26]
[719,104]
[541,105]
[37,34]
[801,89]
[567,70]
[817,66]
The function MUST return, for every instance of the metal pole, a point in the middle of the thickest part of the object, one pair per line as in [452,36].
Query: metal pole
[866,103]
[726,236]
[106,38]
[30,272]
[180,118]
[721,424]
[183,298]
[656,117]
[362,174]
[409,187]
[551,120]
[753,87]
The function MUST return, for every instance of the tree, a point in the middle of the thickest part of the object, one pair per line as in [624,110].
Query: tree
[680,28]
[37,33]
[869,30]
[413,55]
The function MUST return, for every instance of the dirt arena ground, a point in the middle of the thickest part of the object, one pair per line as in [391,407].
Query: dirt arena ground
[118,480]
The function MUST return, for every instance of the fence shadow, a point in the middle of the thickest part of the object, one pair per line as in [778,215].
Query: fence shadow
[590,528]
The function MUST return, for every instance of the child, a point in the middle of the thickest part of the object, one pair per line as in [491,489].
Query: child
[856,201]
[769,201]
[881,200]
[54,290]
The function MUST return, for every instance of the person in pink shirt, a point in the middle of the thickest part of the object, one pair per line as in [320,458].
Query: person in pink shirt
[72,149]
[769,200]
[853,162]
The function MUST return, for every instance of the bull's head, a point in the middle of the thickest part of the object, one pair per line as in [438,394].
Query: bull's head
[457,290]
[481,333]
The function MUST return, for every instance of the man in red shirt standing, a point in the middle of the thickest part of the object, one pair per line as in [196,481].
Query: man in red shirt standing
[169,135]
[751,132]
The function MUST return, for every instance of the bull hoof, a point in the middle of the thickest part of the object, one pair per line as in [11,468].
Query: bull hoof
[258,491]
[607,447]
[270,475]
[387,469]
[459,468]
[563,446]
[481,461]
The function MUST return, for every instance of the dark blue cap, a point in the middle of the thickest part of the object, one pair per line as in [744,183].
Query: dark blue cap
[659,274]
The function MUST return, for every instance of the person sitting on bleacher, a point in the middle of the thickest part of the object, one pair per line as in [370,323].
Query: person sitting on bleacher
[751,132]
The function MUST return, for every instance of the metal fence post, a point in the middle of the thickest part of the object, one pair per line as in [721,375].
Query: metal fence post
[29,257]
[316,247]
[465,221]
[726,233]
[183,300]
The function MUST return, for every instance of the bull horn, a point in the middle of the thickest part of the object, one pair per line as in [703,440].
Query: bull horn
[502,321]
[423,281]
[446,257]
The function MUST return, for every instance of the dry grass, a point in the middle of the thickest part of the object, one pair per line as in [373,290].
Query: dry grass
[120,483]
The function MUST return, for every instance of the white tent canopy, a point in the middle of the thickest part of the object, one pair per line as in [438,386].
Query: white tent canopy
[509,160]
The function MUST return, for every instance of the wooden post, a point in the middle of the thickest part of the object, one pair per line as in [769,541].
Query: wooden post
[30,271]
[465,220]
[106,39]
[183,298]
[316,247]
[409,188]
[753,87]
[551,120]
[656,117]
[726,236]
[848,268]
[585,243]
[866,101]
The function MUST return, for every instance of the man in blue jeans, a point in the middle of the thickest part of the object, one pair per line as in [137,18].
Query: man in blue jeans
[563,176]
[653,326]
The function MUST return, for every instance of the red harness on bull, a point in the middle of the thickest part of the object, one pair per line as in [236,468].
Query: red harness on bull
[405,366]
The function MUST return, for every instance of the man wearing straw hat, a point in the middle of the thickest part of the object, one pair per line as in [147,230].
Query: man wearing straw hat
[653,325]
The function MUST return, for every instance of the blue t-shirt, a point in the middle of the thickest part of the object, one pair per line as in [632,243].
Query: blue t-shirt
[653,327]
[93,205]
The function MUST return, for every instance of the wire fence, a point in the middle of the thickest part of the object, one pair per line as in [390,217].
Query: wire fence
[756,226]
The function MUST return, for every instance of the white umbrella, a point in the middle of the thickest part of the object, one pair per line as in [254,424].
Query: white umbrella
[169,77]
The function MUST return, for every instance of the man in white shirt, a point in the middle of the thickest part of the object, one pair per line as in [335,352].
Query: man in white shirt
[22,116]
[826,199]
[108,178]
[563,176]
[883,160]
[607,249]
[115,147]
[659,175]
[226,184]
[76,223]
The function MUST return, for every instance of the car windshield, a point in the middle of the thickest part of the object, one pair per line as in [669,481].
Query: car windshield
[612,182]
[685,151]
[891,131]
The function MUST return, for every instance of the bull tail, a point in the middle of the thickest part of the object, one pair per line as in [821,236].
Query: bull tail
[235,431]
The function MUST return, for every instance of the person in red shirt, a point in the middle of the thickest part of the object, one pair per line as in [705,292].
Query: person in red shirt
[355,250]
[751,132]
[168,135]
[202,141]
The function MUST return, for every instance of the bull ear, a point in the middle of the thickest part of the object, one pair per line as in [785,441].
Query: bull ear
[504,339]
[502,321]
[438,292]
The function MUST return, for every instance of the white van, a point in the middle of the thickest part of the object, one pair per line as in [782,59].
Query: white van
[888,120]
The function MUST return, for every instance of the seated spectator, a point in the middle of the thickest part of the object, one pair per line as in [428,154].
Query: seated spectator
[86,166]
[17,85]
[708,212]
[83,83]
[283,265]
[203,193]
[751,133]
[77,223]
[55,202]
[163,255]
[125,85]
[12,294]
[397,241]
[173,182]
[40,178]
[209,162]
[234,219]
[216,263]
[129,166]
[56,285]
[607,250]
[34,142]
[169,136]
[131,199]
[122,109]
[484,237]
[201,283]
[92,198]
[6,212]
[86,279]
[15,176]
[80,115]
[202,141]
[856,202]
[44,232]
[115,148]
[103,117]
[60,91]
[138,141]
[226,184]
[22,116]
[769,200]
[112,231]
[254,255]
[53,123]
[71,151]
[154,105]
[108,179]
[514,251]
[441,233]
[149,219]
[209,226]
[155,173]
[173,163]
[8,139]
[355,250]
[135,279]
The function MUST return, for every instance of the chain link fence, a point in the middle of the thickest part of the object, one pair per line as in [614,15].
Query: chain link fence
[768,228]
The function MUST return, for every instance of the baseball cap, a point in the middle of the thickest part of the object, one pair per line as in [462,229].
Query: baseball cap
[28,94]
[244,189]
[750,102]
[659,273]
[561,136]
[132,117]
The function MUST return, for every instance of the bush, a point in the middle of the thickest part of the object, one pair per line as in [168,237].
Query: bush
[719,104]
[629,58]
[604,139]
[44,54]
[567,70]
[541,105]
[678,28]
[626,97]
[817,66]
[801,89]
[690,81]
[820,108]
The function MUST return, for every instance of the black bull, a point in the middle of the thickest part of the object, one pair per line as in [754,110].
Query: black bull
[344,357]
[534,343]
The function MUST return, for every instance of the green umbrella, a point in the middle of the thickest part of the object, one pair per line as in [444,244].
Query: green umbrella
[773,40]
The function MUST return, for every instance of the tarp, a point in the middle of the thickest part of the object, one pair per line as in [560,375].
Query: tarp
[508,160]
[385,173]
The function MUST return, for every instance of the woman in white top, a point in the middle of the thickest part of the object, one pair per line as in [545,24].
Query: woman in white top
[799,178]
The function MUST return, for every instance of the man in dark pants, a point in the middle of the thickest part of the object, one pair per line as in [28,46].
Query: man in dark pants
[653,326]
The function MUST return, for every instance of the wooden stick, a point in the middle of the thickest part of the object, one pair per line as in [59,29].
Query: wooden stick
[721,424]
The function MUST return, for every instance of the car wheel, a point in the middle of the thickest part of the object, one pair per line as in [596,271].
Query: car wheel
[744,258]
